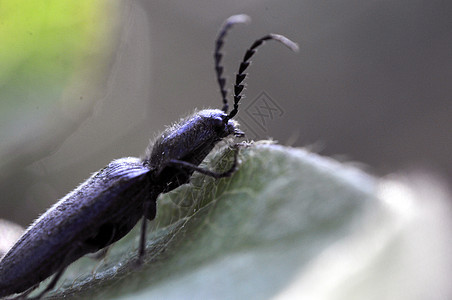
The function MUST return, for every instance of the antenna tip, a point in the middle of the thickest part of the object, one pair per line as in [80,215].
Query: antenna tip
[285,41]
[242,18]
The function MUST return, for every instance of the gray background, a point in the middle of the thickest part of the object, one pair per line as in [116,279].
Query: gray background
[371,83]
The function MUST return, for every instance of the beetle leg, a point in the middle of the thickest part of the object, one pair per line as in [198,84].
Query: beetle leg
[51,285]
[150,209]
[149,213]
[24,294]
[232,169]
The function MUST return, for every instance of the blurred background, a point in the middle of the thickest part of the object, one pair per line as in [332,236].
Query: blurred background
[85,82]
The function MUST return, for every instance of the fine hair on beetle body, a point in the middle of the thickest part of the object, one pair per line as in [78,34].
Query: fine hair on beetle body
[108,205]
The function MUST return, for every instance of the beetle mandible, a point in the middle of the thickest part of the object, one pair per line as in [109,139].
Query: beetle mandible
[108,205]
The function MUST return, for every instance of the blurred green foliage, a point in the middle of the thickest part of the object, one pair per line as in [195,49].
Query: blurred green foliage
[43,44]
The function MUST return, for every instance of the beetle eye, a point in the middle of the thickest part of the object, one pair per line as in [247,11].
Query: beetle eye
[218,123]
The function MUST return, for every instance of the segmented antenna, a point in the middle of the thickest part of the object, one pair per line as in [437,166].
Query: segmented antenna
[218,55]
[240,76]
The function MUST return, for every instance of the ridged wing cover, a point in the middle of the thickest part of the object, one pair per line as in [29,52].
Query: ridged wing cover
[114,195]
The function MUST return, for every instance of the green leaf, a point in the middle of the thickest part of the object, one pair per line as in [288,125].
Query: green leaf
[243,237]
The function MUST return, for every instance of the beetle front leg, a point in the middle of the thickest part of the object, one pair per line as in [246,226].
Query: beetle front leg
[232,169]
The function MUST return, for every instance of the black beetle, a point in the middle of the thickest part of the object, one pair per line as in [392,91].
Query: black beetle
[108,205]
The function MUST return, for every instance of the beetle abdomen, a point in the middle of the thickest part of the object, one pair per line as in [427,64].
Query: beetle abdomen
[99,212]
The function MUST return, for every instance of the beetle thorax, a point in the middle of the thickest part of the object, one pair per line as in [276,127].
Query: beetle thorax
[191,139]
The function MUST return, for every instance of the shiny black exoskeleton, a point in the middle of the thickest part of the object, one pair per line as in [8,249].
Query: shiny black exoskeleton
[187,142]
[109,204]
